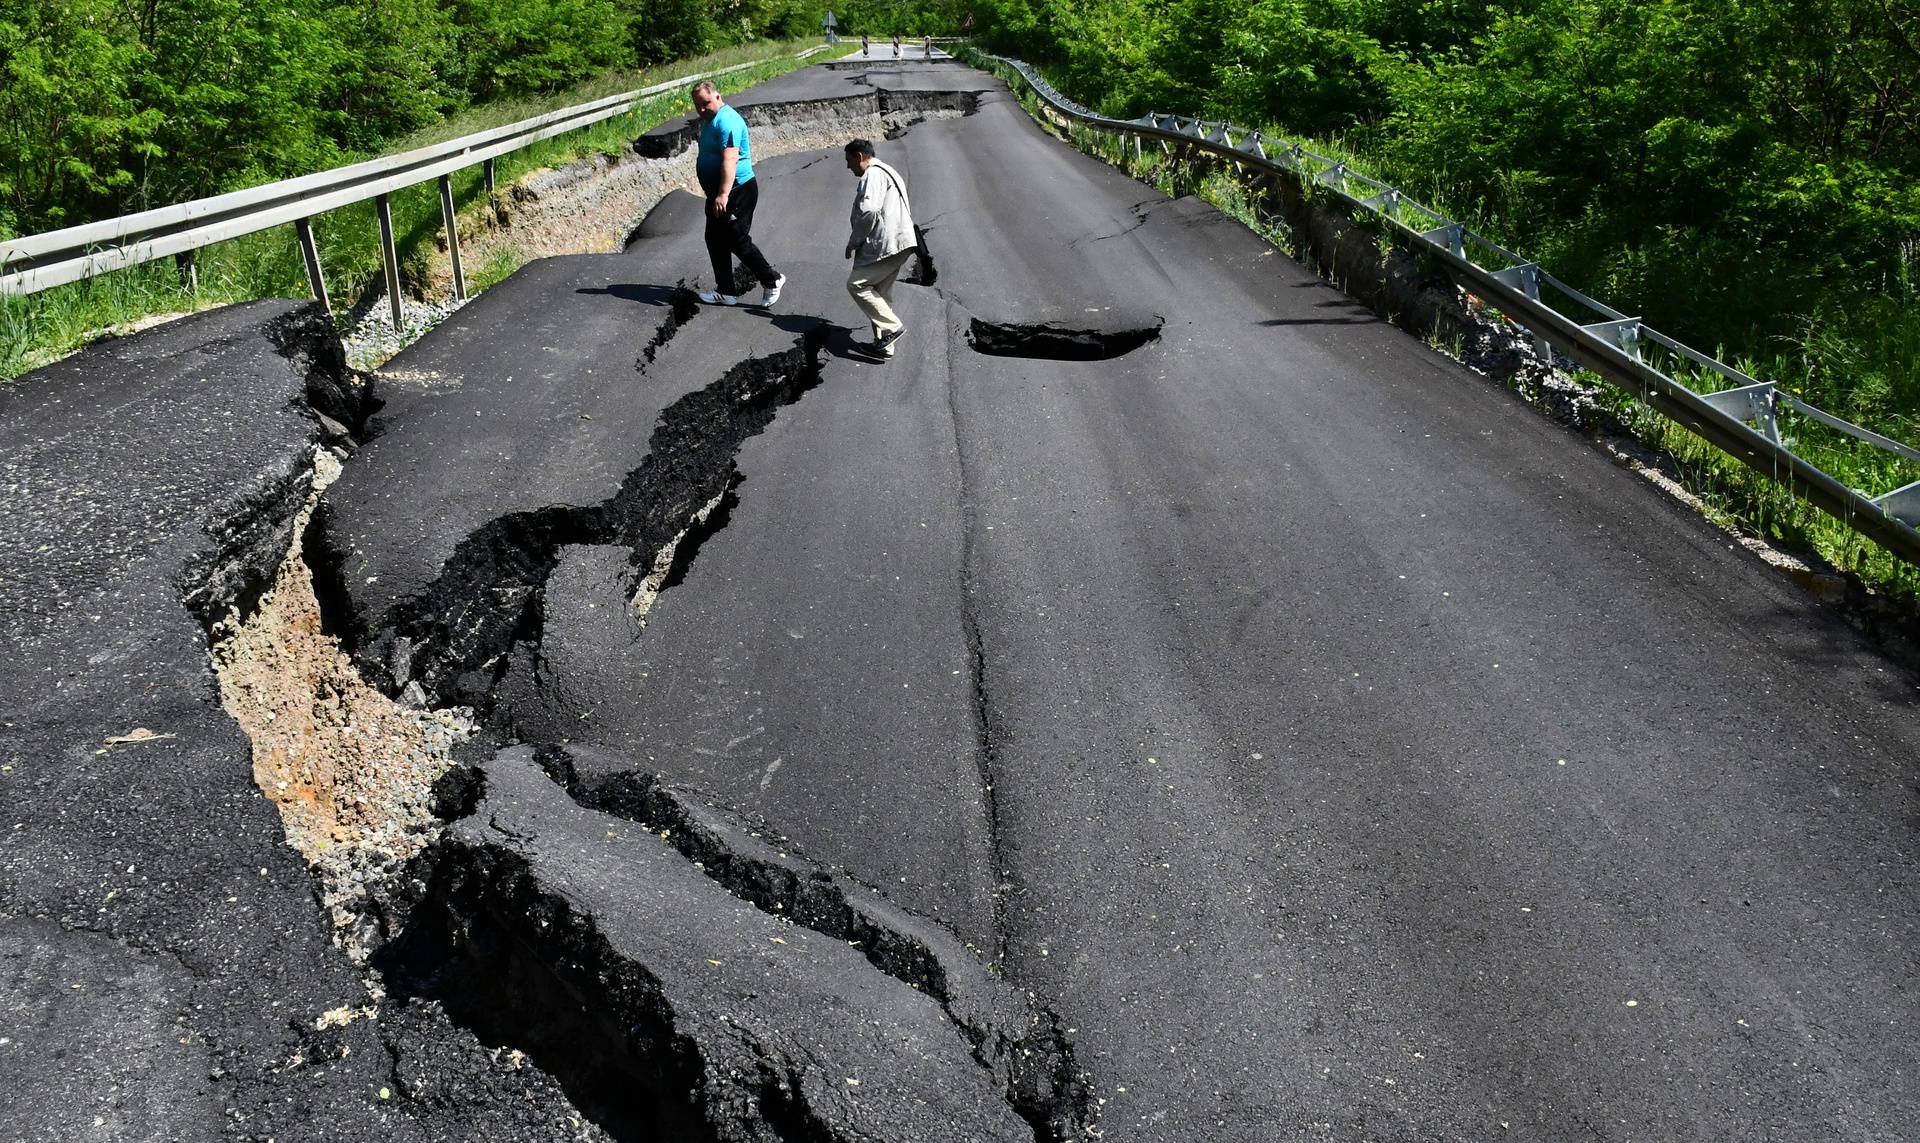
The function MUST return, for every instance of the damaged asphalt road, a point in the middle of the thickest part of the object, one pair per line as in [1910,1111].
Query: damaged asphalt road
[1153,704]
[166,972]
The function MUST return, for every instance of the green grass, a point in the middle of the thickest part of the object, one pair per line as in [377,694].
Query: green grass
[1852,363]
[42,327]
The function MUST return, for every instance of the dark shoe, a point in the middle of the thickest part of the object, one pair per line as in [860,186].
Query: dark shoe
[883,344]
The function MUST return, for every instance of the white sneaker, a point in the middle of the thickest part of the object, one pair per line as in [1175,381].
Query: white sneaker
[713,298]
[773,291]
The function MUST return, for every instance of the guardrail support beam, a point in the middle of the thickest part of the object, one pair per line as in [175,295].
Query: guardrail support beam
[1526,279]
[1449,235]
[384,208]
[310,253]
[1623,334]
[1751,403]
[453,236]
[1902,504]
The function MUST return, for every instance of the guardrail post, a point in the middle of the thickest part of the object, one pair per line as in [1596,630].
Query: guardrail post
[389,255]
[1526,279]
[453,236]
[486,170]
[310,252]
[189,270]
[1530,286]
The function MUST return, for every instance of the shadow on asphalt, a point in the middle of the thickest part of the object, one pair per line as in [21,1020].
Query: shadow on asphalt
[1353,313]
[642,292]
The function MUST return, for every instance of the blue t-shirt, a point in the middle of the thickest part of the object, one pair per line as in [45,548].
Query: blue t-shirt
[725,129]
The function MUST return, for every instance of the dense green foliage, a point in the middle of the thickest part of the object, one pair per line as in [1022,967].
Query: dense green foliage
[110,106]
[1744,175]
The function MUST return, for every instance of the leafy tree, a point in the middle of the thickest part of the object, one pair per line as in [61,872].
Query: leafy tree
[70,121]
[673,29]
[538,45]
[383,67]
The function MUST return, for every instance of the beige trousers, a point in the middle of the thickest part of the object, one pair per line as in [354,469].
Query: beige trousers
[872,288]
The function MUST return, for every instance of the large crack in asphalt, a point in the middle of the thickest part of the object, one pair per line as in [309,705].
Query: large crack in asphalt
[486,926]
[683,308]
[1020,1041]
[682,976]
[455,638]
[598,1020]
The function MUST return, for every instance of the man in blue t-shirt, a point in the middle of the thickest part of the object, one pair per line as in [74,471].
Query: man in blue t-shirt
[725,167]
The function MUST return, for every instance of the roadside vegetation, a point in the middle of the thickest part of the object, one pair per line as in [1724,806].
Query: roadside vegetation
[1745,178]
[107,108]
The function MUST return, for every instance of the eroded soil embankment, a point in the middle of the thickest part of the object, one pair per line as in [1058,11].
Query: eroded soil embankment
[349,769]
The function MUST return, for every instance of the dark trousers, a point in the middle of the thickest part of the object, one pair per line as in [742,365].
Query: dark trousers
[731,234]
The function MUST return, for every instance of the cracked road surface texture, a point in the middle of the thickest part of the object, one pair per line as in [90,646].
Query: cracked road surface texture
[781,1030]
[164,965]
[1325,746]
[1340,749]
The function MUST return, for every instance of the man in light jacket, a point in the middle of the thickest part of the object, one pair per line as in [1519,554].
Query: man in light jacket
[881,243]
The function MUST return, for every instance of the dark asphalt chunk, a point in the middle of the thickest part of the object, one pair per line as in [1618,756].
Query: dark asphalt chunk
[694,1007]
[166,964]
[454,638]
[528,399]
[1024,1045]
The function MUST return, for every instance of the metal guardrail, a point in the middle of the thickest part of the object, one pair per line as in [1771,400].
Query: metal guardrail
[1742,421]
[40,261]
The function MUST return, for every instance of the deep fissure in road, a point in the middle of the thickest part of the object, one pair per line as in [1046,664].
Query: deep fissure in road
[482,917]
[517,964]
[1051,342]
[683,308]
[454,639]
[1020,1041]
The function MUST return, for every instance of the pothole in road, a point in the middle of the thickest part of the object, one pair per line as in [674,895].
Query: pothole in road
[1053,342]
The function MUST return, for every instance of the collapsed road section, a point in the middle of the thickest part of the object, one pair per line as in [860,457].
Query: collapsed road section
[454,638]
[169,973]
[523,994]
[696,994]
